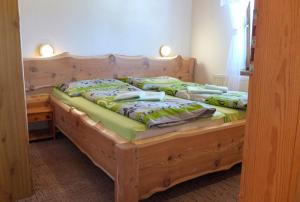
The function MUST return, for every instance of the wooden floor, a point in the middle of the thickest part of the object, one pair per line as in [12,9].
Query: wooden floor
[62,173]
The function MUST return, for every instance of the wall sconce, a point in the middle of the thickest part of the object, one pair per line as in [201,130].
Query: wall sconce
[46,50]
[165,51]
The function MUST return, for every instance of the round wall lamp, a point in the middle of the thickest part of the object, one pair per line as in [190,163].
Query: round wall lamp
[165,51]
[46,50]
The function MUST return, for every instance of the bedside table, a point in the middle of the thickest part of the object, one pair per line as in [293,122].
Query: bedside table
[39,110]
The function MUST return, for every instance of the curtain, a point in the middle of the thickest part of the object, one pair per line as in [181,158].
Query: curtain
[224,2]
[238,45]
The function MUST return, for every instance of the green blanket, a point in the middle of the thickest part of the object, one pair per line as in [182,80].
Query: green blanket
[188,90]
[231,99]
[121,125]
[170,111]
[151,83]
[76,88]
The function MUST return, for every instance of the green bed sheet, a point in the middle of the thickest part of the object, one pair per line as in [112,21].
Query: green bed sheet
[123,126]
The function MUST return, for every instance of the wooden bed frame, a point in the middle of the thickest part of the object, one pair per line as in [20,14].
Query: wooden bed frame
[144,167]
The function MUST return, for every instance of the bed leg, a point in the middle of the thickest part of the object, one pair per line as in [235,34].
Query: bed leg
[126,182]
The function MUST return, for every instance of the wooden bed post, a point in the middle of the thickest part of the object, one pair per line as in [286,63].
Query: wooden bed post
[126,181]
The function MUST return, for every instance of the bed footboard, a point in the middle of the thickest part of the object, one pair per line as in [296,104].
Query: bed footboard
[153,165]
[142,168]
[166,162]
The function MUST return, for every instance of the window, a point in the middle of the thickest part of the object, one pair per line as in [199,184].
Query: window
[251,34]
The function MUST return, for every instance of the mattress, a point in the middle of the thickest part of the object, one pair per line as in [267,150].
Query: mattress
[126,127]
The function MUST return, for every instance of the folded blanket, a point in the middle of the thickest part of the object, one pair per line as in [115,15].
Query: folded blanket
[200,90]
[152,83]
[214,87]
[232,99]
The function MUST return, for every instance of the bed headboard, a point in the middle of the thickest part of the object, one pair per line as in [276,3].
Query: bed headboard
[43,73]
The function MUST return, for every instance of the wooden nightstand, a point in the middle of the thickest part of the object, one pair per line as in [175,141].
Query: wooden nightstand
[39,110]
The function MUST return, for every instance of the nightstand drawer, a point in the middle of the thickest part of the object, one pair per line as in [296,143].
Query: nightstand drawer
[39,110]
[45,116]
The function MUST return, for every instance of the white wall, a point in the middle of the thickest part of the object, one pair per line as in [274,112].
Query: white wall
[197,28]
[211,36]
[89,27]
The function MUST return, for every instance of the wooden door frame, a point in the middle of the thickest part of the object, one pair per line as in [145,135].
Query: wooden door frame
[15,172]
[271,165]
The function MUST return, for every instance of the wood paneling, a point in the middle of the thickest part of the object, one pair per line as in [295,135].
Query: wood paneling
[272,146]
[42,73]
[15,176]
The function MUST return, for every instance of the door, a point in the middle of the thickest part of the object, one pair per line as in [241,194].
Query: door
[15,174]
[271,166]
